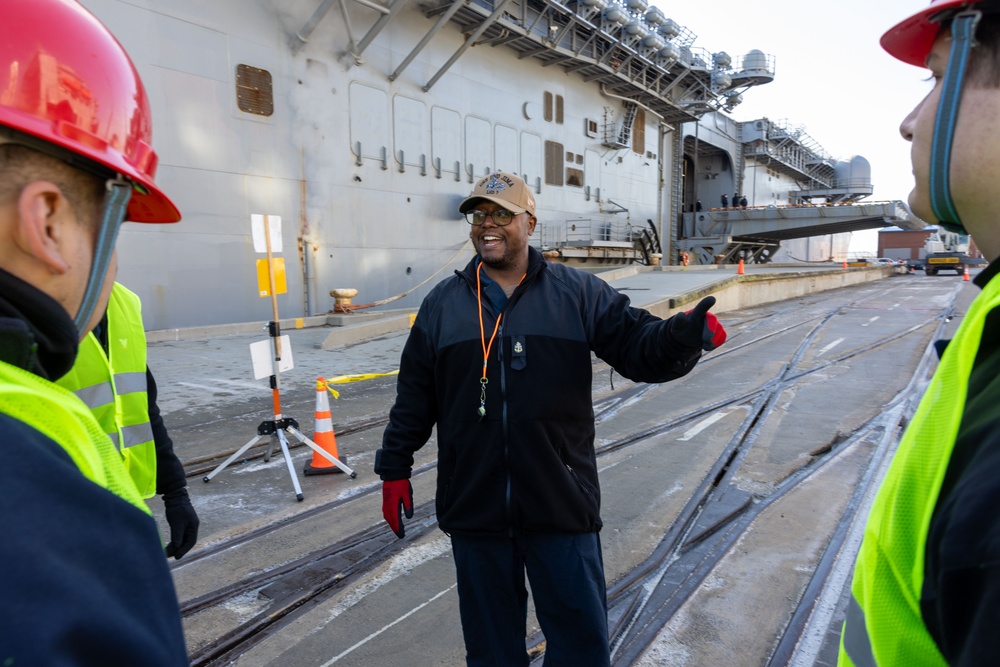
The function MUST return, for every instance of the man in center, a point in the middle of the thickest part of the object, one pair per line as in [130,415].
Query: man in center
[499,358]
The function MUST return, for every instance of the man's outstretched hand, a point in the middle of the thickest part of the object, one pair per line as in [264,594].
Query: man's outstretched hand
[397,498]
[698,327]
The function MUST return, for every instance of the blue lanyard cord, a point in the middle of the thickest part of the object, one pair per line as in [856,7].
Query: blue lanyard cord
[963,30]
[115,203]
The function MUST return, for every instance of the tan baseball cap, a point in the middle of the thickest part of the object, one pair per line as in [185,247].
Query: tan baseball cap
[507,190]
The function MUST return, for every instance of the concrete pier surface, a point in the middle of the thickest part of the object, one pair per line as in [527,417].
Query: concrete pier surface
[803,402]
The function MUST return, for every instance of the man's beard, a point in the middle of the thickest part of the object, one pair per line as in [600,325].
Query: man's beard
[507,261]
[500,264]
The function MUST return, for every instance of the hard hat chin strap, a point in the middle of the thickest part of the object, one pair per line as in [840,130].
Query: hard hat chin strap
[963,32]
[112,215]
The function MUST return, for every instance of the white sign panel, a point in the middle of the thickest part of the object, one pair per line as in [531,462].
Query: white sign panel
[257,232]
[262,356]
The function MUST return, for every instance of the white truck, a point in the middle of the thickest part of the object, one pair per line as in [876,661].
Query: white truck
[946,251]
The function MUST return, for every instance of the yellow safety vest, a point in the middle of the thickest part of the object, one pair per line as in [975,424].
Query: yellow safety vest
[884,625]
[113,385]
[61,416]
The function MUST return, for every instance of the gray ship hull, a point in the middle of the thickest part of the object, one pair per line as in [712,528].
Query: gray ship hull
[363,126]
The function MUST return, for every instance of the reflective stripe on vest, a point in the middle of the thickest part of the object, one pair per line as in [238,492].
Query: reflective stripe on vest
[854,638]
[885,612]
[100,398]
[96,396]
[58,414]
[113,385]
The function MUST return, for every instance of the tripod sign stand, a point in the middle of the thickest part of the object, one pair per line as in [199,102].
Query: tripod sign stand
[277,427]
[280,424]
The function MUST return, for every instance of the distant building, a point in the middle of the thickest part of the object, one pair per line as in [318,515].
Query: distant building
[896,243]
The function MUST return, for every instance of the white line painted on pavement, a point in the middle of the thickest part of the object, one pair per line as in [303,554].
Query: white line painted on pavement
[610,465]
[870,321]
[386,627]
[702,425]
[829,347]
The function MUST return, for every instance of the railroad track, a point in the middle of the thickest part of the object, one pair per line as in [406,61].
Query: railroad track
[689,551]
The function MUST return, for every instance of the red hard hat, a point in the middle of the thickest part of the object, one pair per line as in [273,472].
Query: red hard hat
[911,40]
[66,80]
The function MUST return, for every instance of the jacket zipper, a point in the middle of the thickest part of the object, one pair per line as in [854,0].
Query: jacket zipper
[506,433]
[503,394]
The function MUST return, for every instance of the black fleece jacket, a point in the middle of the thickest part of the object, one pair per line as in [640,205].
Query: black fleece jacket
[529,464]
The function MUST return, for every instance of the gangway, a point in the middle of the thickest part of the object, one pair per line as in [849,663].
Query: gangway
[754,234]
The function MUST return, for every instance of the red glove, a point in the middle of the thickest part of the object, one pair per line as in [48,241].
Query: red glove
[397,496]
[698,327]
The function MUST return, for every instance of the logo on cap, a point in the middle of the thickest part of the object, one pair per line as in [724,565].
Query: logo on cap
[495,185]
[497,182]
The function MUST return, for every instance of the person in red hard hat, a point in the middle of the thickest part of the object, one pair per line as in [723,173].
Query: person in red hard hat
[85,580]
[926,588]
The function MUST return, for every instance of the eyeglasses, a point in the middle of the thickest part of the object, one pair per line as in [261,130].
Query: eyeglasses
[500,218]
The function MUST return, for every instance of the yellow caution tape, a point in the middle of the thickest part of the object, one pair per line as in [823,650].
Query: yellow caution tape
[344,379]
[321,385]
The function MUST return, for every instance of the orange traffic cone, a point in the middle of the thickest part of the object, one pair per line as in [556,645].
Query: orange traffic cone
[323,435]
[739,270]
[845,264]
[965,276]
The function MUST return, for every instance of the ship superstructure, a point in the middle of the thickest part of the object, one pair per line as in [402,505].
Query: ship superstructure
[363,123]
[765,190]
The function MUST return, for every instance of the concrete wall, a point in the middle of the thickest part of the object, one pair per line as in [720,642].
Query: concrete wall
[747,291]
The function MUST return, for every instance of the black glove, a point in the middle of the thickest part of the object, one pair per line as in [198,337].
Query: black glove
[183,522]
[698,328]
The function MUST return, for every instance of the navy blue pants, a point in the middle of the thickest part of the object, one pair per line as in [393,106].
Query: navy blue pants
[566,574]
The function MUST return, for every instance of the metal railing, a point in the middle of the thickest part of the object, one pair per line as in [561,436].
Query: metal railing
[587,231]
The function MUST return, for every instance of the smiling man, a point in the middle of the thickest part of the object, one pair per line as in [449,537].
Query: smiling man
[926,587]
[499,358]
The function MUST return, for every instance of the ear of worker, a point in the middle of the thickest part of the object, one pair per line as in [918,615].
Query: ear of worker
[698,327]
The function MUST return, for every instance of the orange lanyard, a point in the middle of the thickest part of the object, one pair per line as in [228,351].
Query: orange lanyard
[482,339]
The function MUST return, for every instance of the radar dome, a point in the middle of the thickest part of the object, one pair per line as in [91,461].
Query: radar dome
[853,172]
[755,61]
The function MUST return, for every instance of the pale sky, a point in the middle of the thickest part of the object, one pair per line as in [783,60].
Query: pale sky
[831,76]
